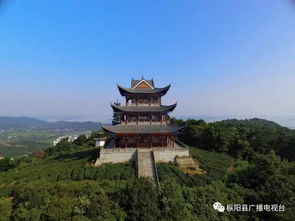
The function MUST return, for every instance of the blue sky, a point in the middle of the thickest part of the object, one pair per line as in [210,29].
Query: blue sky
[62,59]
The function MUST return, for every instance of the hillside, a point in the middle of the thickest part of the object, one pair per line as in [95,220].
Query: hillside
[60,183]
[23,135]
[239,138]
[68,173]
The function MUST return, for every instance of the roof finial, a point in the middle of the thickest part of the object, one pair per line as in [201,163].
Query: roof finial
[142,78]
[153,84]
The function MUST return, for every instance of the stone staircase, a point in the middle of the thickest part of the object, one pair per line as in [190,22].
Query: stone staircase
[146,166]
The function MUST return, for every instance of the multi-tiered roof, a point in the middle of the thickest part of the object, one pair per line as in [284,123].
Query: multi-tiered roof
[143,115]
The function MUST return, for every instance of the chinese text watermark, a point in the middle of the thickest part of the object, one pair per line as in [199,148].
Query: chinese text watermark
[248,208]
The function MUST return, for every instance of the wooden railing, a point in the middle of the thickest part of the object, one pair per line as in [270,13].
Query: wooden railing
[177,141]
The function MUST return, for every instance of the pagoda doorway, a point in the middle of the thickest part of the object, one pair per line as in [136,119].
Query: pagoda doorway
[143,141]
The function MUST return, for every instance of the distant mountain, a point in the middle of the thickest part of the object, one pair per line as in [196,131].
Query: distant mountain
[20,123]
[23,123]
[87,125]
[254,123]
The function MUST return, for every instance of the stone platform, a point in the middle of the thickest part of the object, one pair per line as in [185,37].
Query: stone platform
[145,158]
[122,155]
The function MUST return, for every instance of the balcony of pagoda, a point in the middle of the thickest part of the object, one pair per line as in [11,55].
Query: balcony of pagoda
[145,119]
[144,122]
[143,101]
[143,104]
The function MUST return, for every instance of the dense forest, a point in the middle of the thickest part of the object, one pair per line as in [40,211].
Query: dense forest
[245,162]
[241,139]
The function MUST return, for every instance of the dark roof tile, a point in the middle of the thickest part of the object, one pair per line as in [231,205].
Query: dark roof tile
[142,129]
[124,91]
[154,109]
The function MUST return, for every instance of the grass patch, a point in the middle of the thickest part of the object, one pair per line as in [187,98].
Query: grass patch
[215,164]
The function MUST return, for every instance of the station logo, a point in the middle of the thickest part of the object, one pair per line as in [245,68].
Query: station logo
[219,207]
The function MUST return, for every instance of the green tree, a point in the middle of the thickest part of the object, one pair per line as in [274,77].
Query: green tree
[82,139]
[173,204]
[5,209]
[272,179]
[6,164]
[140,200]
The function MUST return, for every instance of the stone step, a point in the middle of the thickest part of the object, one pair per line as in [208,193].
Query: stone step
[146,165]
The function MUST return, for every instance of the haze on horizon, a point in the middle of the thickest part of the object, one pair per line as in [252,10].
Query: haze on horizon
[63,59]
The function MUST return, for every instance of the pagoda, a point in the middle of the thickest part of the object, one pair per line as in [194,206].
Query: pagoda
[143,122]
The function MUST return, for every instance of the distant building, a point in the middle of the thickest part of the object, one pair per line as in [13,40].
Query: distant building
[70,138]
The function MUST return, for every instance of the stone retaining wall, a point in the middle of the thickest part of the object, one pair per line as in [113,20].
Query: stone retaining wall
[186,162]
[169,155]
[122,155]
[118,155]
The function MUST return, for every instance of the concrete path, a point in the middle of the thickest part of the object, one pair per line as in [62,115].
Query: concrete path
[146,165]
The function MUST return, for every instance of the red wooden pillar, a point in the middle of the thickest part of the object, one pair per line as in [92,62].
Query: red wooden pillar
[166,141]
[173,141]
[126,119]
[150,138]
[162,139]
[125,141]
[137,119]
[150,118]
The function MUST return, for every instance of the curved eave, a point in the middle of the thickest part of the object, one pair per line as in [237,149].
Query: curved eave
[172,107]
[166,89]
[122,90]
[107,129]
[142,129]
[130,91]
[144,109]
